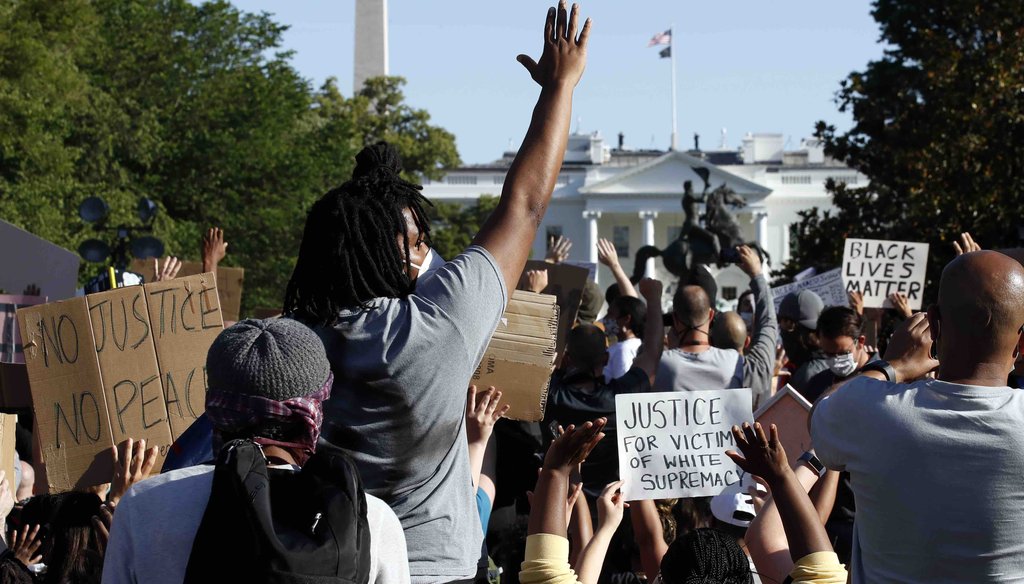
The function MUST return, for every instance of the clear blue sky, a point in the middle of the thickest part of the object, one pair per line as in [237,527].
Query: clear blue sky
[745,65]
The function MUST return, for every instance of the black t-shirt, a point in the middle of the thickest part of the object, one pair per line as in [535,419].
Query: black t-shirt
[818,384]
[569,404]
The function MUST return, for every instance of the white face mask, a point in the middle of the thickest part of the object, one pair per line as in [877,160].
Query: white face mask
[842,365]
[431,261]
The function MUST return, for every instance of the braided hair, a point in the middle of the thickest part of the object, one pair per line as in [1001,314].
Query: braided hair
[705,556]
[348,254]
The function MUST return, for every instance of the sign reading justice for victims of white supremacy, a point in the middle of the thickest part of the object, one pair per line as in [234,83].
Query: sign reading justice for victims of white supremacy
[878,268]
[672,444]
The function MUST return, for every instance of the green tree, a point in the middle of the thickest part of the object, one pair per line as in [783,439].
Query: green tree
[454,226]
[193,106]
[938,129]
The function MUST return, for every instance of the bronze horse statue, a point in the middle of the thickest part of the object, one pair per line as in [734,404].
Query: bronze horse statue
[713,243]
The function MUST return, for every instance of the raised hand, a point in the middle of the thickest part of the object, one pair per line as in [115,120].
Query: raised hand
[650,289]
[482,413]
[606,253]
[909,350]
[536,280]
[611,505]
[168,271]
[558,249]
[132,463]
[574,445]
[762,456]
[214,248]
[856,301]
[564,56]
[966,244]
[749,261]
[26,543]
[900,303]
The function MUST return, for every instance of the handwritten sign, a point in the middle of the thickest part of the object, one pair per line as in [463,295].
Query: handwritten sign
[828,285]
[672,444]
[878,268]
[126,362]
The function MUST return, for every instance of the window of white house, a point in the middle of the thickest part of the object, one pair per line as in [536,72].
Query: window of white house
[620,238]
[552,232]
[454,179]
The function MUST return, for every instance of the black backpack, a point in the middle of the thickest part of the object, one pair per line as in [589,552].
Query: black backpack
[281,526]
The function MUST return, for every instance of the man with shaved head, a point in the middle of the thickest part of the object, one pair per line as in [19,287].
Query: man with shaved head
[937,465]
[694,364]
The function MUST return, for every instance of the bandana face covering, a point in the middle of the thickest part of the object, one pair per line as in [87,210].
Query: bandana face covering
[232,412]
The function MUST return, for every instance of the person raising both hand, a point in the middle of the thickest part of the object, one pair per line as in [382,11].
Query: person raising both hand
[935,464]
[361,283]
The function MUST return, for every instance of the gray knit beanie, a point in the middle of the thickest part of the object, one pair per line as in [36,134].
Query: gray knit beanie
[276,358]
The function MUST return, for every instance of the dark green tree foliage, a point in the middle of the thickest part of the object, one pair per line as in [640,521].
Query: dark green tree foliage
[938,129]
[193,106]
[454,226]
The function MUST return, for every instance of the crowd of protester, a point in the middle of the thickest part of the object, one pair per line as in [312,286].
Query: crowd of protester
[344,441]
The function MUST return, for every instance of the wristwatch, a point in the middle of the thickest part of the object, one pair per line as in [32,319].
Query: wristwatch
[883,367]
[811,460]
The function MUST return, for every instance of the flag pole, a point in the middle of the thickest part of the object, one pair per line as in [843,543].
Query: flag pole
[672,57]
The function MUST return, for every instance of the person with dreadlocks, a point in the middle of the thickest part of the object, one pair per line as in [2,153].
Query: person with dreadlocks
[402,346]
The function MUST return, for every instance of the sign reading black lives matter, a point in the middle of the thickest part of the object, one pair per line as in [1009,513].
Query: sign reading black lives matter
[878,268]
[672,444]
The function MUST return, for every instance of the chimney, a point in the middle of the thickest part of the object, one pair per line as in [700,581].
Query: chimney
[622,140]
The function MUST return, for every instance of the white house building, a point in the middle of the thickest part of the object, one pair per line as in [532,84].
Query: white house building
[633,197]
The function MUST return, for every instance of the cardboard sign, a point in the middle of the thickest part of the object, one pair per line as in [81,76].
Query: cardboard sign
[521,355]
[68,400]
[126,362]
[229,283]
[122,338]
[672,444]
[877,268]
[186,318]
[7,433]
[590,267]
[33,260]
[565,283]
[829,285]
[789,411]
[10,339]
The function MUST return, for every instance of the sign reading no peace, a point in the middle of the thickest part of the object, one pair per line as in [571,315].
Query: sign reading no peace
[672,444]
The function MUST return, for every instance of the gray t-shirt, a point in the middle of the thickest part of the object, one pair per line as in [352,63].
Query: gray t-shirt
[398,405]
[936,469]
[711,369]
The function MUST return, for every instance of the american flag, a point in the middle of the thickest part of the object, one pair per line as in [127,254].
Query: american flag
[662,38]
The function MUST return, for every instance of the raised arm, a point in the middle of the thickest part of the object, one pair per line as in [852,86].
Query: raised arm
[511,228]
[607,255]
[766,458]
[759,360]
[654,330]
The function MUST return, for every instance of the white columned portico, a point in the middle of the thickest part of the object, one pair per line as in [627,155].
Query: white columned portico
[592,217]
[648,218]
[785,243]
[761,219]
